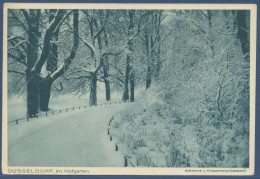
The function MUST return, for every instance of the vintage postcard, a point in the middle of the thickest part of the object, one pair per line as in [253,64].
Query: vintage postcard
[129,89]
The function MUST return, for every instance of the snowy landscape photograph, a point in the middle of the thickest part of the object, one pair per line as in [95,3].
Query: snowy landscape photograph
[148,88]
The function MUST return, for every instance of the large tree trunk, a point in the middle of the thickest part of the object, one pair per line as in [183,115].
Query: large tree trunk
[32,55]
[45,85]
[50,54]
[129,55]
[45,93]
[32,94]
[107,85]
[93,89]
[34,67]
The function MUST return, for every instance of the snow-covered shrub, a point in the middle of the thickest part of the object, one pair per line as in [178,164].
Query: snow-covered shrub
[196,114]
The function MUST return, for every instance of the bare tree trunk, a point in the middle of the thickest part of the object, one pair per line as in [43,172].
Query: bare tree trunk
[152,43]
[51,59]
[132,85]
[129,55]
[45,85]
[45,93]
[210,33]
[106,70]
[106,81]
[126,91]
[32,55]
[148,56]
[93,89]
[158,63]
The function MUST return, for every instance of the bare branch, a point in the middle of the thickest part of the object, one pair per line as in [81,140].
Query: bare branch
[63,68]
[99,32]
[65,17]
[206,15]
[141,17]
[139,30]
[92,49]
[17,72]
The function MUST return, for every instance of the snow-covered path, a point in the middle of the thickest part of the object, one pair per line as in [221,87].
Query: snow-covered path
[73,139]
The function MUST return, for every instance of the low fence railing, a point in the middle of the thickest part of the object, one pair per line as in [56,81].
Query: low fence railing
[59,111]
[127,158]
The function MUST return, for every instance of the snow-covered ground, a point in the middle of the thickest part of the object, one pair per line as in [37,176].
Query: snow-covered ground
[74,139]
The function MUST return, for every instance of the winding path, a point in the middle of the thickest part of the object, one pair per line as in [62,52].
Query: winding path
[74,139]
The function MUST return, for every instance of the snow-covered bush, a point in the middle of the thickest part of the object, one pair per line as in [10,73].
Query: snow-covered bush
[197,112]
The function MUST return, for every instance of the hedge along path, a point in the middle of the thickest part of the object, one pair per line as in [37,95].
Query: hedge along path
[46,114]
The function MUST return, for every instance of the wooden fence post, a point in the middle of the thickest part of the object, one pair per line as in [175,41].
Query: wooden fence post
[125,165]
[116,146]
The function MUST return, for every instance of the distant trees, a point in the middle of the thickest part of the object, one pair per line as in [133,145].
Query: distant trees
[109,43]
[96,66]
